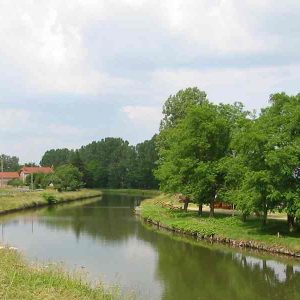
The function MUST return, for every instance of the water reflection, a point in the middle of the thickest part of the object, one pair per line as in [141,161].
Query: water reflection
[106,238]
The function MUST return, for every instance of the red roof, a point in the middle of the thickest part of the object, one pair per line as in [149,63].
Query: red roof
[9,175]
[32,170]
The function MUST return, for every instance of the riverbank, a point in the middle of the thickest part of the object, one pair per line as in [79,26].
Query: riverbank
[223,228]
[12,201]
[19,280]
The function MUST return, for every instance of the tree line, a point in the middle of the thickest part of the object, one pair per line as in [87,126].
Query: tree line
[110,163]
[12,163]
[221,152]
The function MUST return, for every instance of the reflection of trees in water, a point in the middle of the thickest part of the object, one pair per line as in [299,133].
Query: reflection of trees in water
[192,272]
[186,271]
[109,219]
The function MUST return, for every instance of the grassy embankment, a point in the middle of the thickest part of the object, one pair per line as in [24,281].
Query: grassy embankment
[12,200]
[224,228]
[18,280]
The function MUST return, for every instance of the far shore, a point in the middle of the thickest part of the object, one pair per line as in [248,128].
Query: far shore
[16,201]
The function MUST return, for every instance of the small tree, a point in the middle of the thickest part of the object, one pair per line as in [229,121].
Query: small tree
[67,178]
[15,182]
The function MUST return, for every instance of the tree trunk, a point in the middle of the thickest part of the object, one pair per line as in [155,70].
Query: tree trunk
[212,207]
[265,215]
[244,217]
[185,205]
[200,209]
[291,222]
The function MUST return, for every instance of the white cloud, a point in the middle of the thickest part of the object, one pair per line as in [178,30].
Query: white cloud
[45,40]
[249,85]
[148,116]
[212,25]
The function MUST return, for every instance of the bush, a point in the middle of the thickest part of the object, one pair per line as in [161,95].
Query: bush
[50,198]
[15,182]
[68,178]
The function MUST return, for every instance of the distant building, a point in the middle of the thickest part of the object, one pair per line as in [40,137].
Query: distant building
[5,177]
[25,171]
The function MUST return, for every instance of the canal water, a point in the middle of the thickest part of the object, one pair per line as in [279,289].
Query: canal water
[106,240]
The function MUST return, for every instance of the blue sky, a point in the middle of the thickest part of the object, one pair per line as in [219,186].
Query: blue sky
[76,71]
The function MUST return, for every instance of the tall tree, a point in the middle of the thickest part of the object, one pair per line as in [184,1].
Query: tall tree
[10,163]
[269,149]
[146,158]
[175,110]
[76,160]
[191,164]
[282,120]
[56,157]
[110,162]
[176,106]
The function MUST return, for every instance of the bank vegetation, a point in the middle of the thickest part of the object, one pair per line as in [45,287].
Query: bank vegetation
[275,237]
[21,280]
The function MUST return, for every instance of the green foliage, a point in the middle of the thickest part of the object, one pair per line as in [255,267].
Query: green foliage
[40,180]
[176,106]
[50,198]
[268,151]
[76,161]
[223,226]
[10,163]
[30,164]
[56,157]
[110,163]
[146,158]
[193,150]
[15,182]
[208,151]
[67,178]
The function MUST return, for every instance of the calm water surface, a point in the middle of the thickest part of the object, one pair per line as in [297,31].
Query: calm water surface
[105,238]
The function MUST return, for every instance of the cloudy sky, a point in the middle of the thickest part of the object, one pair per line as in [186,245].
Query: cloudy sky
[73,71]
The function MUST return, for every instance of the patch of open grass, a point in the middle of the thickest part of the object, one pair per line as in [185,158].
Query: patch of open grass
[20,200]
[18,280]
[224,226]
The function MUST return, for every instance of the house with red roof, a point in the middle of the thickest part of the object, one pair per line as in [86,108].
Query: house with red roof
[25,171]
[5,177]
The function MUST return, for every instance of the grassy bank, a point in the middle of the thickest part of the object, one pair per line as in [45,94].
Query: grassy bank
[224,228]
[11,200]
[18,280]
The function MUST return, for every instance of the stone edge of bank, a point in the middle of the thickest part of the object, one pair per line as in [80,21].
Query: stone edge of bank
[249,244]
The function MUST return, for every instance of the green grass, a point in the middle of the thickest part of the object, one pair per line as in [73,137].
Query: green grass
[19,280]
[11,200]
[223,226]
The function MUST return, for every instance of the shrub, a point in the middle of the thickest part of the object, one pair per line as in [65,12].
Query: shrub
[15,182]
[68,178]
[50,198]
